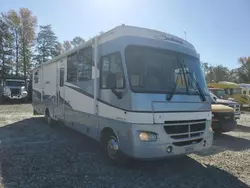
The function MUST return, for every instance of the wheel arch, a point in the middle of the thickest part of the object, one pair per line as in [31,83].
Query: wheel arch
[105,132]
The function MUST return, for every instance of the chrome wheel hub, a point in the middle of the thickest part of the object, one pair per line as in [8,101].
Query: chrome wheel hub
[112,148]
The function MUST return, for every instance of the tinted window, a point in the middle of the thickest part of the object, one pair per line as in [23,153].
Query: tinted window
[61,77]
[112,64]
[79,66]
[72,68]
[36,77]
[84,66]
[157,70]
[15,83]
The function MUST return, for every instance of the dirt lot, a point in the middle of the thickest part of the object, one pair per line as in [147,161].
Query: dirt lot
[35,155]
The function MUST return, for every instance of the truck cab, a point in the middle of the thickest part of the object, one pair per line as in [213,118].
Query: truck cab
[14,89]
[230,103]
[223,117]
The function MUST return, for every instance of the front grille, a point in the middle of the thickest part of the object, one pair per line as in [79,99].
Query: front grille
[189,142]
[15,91]
[185,129]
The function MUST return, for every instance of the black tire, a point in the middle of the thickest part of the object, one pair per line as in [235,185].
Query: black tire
[114,157]
[218,131]
[48,119]
[35,113]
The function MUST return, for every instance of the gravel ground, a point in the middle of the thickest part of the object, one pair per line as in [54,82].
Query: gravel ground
[34,155]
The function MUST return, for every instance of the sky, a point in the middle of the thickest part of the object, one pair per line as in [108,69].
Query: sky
[219,30]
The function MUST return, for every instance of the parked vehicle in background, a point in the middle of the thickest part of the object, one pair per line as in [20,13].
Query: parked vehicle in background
[223,118]
[245,89]
[122,88]
[232,91]
[232,104]
[13,88]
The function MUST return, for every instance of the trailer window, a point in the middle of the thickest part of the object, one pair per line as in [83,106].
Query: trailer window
[112,64]
[72,68]
[84,67]
[79,66]
[36,77]
[61,77]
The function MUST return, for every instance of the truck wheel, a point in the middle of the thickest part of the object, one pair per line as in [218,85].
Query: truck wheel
[48,118]
[35,113]
[112,150]
[217,131]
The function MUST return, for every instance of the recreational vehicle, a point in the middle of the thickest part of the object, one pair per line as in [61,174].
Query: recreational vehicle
[141,93]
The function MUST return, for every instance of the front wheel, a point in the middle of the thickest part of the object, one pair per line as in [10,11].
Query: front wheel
[112,150]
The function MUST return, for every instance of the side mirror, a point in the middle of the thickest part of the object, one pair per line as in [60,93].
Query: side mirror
[215,98]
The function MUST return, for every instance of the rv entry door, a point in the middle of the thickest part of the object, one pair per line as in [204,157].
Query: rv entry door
[60,91]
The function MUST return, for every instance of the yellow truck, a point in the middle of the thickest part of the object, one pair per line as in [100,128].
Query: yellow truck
[230,91]
[223,118]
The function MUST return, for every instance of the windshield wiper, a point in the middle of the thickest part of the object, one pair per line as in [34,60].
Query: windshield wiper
[200,92]
[170,95]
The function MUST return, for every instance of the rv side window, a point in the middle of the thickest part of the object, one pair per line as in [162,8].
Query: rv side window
[36,77]
[112,64]
[61,77]
[72,68]
[84,66]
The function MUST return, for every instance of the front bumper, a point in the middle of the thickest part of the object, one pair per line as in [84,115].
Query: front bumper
[224,126]
[237,115]
[160,148]
[15,97]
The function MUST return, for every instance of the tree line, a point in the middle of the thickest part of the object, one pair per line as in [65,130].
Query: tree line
[21,48]
[222,73]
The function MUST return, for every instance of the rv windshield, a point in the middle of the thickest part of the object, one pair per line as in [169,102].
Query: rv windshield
[14,83]
[220,93]
[153,70]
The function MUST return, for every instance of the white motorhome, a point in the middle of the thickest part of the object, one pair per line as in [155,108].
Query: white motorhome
[139,92]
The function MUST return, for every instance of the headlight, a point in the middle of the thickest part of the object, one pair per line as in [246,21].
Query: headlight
[23,91]
[6,91]
[147,136]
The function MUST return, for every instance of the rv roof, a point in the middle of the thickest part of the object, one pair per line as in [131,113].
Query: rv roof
[127,31]
[225,82]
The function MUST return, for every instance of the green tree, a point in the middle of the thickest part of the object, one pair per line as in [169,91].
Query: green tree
[67,46]
[244,70]
[6,41]
[14,22]
[27,36]
[58,49]
[46,44]
[77,41]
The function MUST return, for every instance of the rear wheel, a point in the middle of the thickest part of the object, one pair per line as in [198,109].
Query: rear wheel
[35,112]
[48,118]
